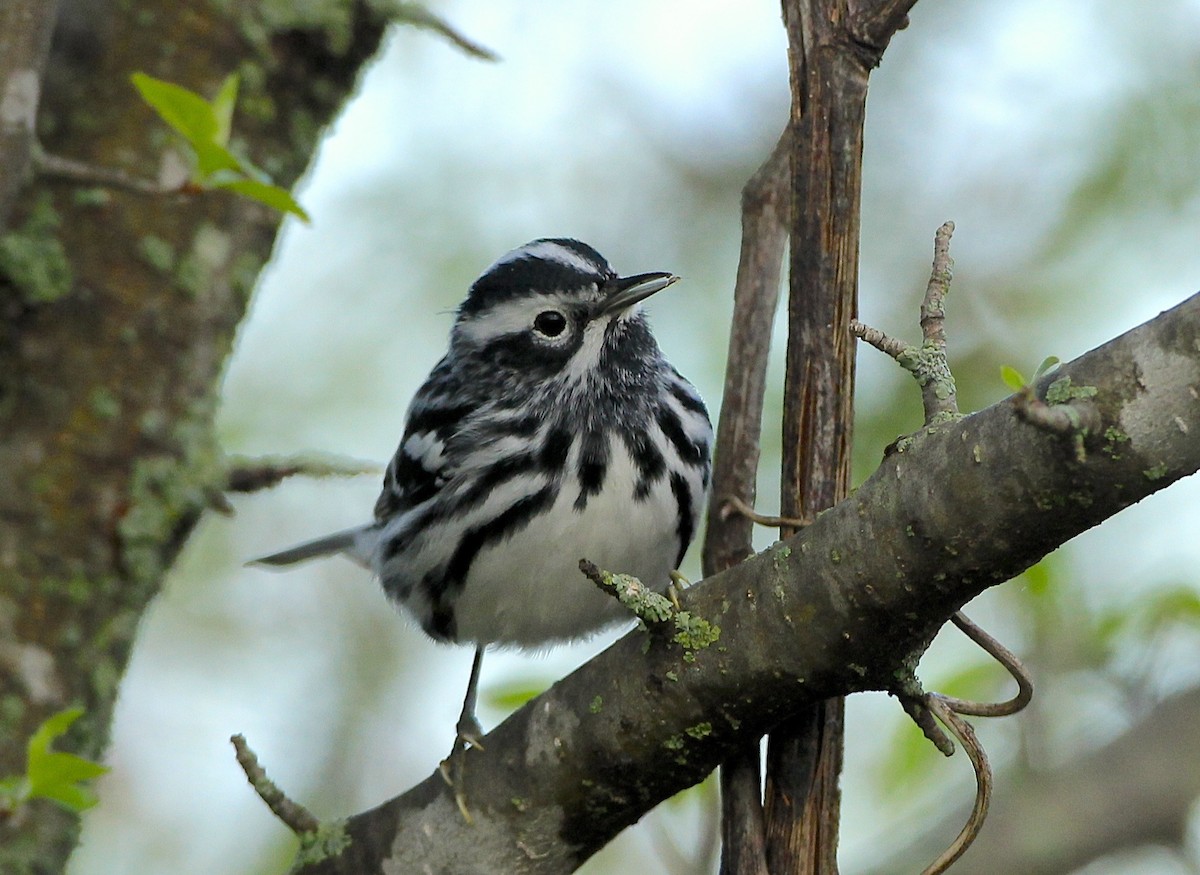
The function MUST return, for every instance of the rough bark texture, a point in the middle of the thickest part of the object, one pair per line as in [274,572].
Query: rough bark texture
[117,313]
[25,30]
[833,45]
[847,604]
[727,539]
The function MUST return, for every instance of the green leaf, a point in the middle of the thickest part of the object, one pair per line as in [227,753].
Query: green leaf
[57,776]
[1012,378]
[222,106]
[1050,361]
[912,755]
[213,158]
[1038,578]
[513,696]
[184,110]
[207,128]
[272,195]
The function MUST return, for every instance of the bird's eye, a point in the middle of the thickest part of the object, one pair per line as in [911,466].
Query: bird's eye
[550,323]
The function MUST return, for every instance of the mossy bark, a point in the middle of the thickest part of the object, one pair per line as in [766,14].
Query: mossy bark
[117,313]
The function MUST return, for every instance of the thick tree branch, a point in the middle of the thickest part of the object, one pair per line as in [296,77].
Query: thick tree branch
[962,507]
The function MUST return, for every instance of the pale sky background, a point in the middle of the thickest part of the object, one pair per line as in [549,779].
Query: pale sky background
[630,125]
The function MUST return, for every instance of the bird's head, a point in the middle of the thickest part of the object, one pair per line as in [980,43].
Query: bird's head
[556,306]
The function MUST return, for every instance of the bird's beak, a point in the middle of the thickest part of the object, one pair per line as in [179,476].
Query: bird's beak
[628,290]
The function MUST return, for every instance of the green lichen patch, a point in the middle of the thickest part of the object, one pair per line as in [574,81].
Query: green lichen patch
[157,253]
[695,633]
[597,705]
[1061,391]
[1156,472]
[928,364]
[1113,439]
[34,260]
[328,840]
[167,490]
[650,607]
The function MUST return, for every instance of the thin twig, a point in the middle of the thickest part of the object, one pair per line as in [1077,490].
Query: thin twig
[57,167]
[294,815]
[418,16]
[650,607]
[928,363]
[965,734]
[1011,664]
[734,505]
[938,393]
[917,707]
[933,308]
[876,338]
[254,473]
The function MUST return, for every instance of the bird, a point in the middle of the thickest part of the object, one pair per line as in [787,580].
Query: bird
[553,430]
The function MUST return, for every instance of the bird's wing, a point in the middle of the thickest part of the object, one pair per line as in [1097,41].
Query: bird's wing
[424,462]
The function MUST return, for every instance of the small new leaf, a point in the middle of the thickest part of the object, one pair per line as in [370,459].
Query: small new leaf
[1012,378]
[222,106]
[58,776]
[264,192]
[184,110]
[207,127]
[1048,363]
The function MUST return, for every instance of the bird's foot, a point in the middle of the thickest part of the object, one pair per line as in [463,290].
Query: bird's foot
[468,733]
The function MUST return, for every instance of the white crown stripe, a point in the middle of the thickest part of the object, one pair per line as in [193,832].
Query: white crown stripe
[548,250]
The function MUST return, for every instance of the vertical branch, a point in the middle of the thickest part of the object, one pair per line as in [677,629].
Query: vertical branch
[829,86]
[728,538]
[25,30]
[832,48]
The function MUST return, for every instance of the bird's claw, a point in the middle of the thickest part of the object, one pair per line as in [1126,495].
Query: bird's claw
[468,733]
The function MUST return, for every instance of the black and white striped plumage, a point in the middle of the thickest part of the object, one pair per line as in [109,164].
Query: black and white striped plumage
[553,430]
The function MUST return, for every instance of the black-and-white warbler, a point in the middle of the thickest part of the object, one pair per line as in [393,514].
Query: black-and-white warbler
[553,430]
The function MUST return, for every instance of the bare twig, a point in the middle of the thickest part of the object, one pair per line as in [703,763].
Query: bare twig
[755,299]
[1075,419]
[251,474]
[295,816]
[876,338]
[924,707]
[648,606]
[928,362]
[965,734]
[933,308]
[418,16]
[917,707]
[57,167]
[1011,664]
[734,505]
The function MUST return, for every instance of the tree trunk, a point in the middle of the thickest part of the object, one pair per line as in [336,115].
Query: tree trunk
[118,310]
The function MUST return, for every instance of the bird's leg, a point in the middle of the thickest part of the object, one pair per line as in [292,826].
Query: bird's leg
[466,732]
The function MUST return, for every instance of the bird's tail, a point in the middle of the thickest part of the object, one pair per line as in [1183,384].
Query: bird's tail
[350,542]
